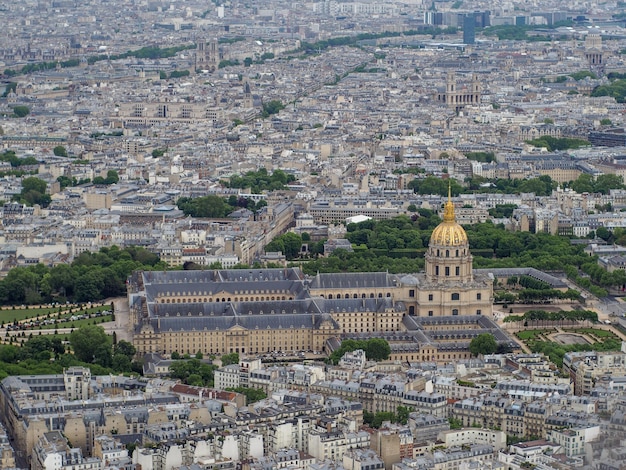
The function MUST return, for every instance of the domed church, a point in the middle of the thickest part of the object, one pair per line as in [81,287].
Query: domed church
[449,285]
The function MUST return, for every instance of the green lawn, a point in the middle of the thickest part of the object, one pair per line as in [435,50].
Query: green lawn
[591,331]
[531,334]
[20,314]
[10,315]
[77,323]
[83,312]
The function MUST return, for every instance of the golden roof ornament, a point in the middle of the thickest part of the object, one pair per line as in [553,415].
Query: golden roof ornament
[448,209]
[449,232]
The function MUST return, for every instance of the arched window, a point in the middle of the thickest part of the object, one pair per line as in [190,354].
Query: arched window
[455,296]
[447,253]
[455,311]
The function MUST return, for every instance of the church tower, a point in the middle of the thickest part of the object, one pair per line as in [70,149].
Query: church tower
[449,286]
[448,257]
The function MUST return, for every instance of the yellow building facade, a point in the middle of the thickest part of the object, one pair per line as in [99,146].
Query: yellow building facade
[259,311]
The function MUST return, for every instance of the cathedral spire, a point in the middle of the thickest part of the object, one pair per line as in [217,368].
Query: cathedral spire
[448,209]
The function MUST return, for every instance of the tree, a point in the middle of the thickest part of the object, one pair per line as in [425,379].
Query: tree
[232,358]
[125,348]
[33,183]
[402,414]
[252,394]
[60,151]
[34,192]
[377,349]
[121,363]
[21,111]
[273,107]
[91,344]
[484,343]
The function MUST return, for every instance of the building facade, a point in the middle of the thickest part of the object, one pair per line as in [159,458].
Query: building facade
[424,316]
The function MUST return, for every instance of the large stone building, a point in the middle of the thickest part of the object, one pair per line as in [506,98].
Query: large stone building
[430,316]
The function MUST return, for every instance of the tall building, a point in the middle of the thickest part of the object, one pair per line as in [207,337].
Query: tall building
[449,285]
[258,311]
[469,29]
[458,95]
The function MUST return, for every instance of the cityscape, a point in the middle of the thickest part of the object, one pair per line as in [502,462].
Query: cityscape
[325,235]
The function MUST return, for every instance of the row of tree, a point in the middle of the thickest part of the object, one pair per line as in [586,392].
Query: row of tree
[541,186]
[543,316]
[260,180]
[536,296]
[90,277]
[15,161]
[148,52]
[215,206]
[88,346]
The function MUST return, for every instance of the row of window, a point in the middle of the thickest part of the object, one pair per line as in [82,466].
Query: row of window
[228,299]
[439,253]
[456,296]
[455,311]
[356,296]
[457,271]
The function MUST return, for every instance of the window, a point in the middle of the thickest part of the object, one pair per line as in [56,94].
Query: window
[455,311]
[457,270]
[455,296]
[412,293]
[430,313]
[447,270]
[436,270]
[430,296]
[478,312]
[479,296]
[447,253]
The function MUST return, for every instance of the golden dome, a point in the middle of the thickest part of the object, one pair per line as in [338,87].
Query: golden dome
[448,232]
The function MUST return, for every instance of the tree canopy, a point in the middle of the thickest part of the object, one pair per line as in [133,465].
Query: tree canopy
[260,180]
[434,185]
[376,349]
[586,183]
[558,143]
[60,151]
[21,111]
[111,178]
[289,244]
[482,344]
[92,345]
[228,359]
[91,276]
[33,192]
